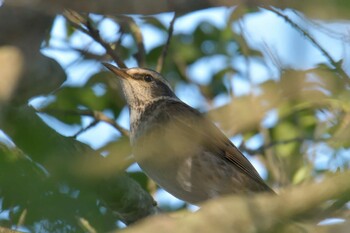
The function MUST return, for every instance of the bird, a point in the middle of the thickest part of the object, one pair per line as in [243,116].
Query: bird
[184,152]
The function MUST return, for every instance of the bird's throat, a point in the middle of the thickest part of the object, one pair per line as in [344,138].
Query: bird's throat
[139,115]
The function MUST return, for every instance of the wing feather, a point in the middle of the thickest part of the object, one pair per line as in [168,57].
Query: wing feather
[192,122]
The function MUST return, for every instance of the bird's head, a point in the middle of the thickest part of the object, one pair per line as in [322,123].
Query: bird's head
[141,86]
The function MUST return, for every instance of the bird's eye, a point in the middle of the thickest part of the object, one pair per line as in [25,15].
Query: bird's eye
[148,78]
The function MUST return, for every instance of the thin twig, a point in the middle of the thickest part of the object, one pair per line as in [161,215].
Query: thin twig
[128,24]
[161,60]
[335,64]
[92,124]
[275,143]
[331,32]
[102,117]
[135,30]
[85,25]
[97,115]
[95,34]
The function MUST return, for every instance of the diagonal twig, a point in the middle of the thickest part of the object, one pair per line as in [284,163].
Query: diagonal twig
[97,115]
[84,24]
[161,60]
[335,64]
[141,52]
[92,124]
[275,143]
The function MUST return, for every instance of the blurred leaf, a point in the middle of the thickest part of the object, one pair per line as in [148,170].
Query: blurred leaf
[302,174]
[71,98]
[50,180]
[241,115]
[341,135]
[140,178]
[284,131]
[217,85]
[153,54]
[100,93]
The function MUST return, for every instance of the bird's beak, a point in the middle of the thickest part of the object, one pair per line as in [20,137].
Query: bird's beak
[119,72]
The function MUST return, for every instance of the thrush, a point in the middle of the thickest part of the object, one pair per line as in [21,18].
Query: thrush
[179,148]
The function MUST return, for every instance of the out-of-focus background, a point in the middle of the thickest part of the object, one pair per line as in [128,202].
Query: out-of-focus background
[275,80]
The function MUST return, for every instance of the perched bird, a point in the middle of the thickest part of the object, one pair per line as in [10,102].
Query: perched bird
[176,146]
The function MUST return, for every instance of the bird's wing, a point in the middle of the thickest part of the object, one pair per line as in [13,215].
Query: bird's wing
[192,123]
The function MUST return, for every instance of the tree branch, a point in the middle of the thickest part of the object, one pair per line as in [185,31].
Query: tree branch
[97,115]
[6,230]
[335,64]
[161,59]
[259,213]
[136,32]
[84,24]
[275,143]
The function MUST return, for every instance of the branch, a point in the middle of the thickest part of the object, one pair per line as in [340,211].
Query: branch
[7,230]
[258,213]
[84,24]
[100,116]
[335,64]
[314,8]
[137,34]
[92,124]
[97,115]
[161,60]
[275,143]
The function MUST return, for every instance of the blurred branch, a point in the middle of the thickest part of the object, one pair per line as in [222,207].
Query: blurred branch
[335,64]
[258,213]
[136,32]
[100,116]
[84,24]
[313,8]
[161,59]
[87,55]
[6,230]
[86,225]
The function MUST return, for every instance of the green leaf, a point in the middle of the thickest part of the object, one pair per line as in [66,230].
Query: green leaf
[285,131]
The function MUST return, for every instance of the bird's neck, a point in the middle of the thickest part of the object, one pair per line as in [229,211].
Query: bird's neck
[141,113]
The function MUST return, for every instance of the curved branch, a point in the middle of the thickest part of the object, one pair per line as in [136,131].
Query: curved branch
[260,213]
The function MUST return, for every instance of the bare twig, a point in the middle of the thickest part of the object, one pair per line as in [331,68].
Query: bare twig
[161,60]
[331,32]
[97,115]
[92,124]
[135,30]
[275,143]
[127,23]
[102,117]
[335,64]
[84,24]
